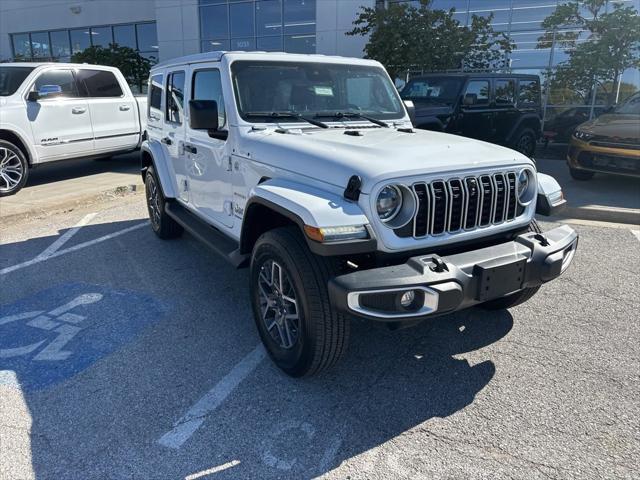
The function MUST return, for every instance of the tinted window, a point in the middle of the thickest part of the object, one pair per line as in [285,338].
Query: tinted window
[529,92]
[207,86]
[433,90]
[480,89]
[155,92]
[505,92]
[100,83]
[175,97]
[11,78]
[61,78]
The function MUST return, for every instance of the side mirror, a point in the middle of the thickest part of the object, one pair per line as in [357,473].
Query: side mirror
[470,99]
[33,96]
[411,109]
[203,115]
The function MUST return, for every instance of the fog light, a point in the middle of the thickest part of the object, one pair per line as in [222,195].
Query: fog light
[407,298]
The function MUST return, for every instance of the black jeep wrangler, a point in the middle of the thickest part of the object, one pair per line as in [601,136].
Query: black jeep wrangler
[498,108]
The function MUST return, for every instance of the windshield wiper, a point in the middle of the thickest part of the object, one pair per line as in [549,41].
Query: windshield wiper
[296,115]
[354,115]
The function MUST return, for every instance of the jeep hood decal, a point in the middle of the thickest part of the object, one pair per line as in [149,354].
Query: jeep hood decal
[377,154]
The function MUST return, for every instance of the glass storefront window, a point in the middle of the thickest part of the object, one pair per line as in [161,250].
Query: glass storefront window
[526,54]
[270,44]
[214,22]
[299,16]
[101,36]
[269,17]
[300,43]
[241,19]
[500,9]
[40,45]
[214,45]
[21,45]
[125,36]
[80,39]
[529,14]
[60,48]
[147,37]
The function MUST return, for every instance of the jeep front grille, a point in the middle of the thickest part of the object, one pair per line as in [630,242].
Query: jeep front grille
[459,204]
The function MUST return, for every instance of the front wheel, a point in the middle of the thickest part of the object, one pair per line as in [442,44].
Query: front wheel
[301,331]
[518,297]
[162,224]
[14,169]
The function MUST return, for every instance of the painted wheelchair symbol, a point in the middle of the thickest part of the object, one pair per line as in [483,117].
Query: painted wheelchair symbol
[59,320]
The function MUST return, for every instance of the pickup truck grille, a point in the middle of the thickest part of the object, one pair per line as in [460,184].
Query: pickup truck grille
[458,204]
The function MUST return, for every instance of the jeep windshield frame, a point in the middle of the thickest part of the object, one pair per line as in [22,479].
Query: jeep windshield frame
[311,89]
[11,78]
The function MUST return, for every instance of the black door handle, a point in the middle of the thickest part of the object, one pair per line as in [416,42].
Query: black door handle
[191,149]
[166,140]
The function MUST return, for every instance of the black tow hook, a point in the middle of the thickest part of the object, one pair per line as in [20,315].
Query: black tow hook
[542,239]
[438,266]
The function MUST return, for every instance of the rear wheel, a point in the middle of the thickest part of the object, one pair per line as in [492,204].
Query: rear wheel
[581,175]
[525,142]
[162,224]
[14,169]
[301,331]
[518,297]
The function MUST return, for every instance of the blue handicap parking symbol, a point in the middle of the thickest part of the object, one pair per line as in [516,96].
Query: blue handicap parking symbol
[57,333]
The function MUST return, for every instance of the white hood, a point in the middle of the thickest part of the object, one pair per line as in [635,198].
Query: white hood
[378,154]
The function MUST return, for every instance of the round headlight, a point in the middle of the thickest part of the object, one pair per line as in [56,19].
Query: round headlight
[525,186]
[389,202]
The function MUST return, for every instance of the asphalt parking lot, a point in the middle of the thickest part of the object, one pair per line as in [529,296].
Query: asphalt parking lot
[124,356]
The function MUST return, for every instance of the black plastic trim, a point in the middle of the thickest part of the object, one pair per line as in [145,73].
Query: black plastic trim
[543,207]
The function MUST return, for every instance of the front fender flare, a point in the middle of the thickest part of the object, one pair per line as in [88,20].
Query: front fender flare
[305,205]
[155,151]
[550,198]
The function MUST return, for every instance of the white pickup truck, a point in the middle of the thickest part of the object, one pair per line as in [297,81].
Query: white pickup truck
[306,169]
[60,111]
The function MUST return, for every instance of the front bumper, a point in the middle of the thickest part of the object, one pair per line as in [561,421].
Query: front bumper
[619,160]
[446,284]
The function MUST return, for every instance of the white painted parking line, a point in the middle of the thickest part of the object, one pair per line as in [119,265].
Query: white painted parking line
[75,248]
[191,421]
[210,471]
[57,245]
[636,233]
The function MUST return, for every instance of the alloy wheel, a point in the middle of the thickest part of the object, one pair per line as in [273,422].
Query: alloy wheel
[525,145]
[11,170]
[153,202]
[278,305]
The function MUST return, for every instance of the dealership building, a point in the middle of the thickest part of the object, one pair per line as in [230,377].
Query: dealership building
[165,29]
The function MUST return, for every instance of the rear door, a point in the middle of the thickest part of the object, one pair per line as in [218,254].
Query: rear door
[208,160]
[113,112]
[476,114]
[60,120]
[172,139]
[506,114]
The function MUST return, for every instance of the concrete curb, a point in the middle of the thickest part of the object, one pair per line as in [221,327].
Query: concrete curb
[72,203]
[602,214]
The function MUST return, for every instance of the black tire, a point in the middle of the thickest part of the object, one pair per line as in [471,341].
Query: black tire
[321,332]
[14,169]
[525,141]
[581,175]
[518,297]
[162,224]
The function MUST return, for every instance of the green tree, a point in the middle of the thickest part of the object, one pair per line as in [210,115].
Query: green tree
[133,66]
[601,45]
[406,37]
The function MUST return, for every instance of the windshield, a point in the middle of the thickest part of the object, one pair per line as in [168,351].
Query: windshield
[11,78]
[313,90]
[631,106]
[444,90]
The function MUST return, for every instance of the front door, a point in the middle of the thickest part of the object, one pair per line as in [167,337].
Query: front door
[208,159]
[506,115]
[172,139]
[476,114]
[60,119]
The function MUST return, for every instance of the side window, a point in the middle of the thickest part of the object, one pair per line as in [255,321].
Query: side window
[155,93]
[100,83]
[529,93]
[505,92]
[478,90]
[207,86]
[175,97]
[56,83]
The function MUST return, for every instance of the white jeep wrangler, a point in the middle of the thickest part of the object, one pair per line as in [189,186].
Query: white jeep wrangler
[307,169]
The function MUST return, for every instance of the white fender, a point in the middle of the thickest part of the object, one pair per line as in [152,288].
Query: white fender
[313,206]
[550,197]
[167,180]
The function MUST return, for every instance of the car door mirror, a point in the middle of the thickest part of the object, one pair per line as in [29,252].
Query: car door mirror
[33,96]
[49,91]
[203,115]
[470,99]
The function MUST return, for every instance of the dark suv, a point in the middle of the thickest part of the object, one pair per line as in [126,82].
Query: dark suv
[497,108]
